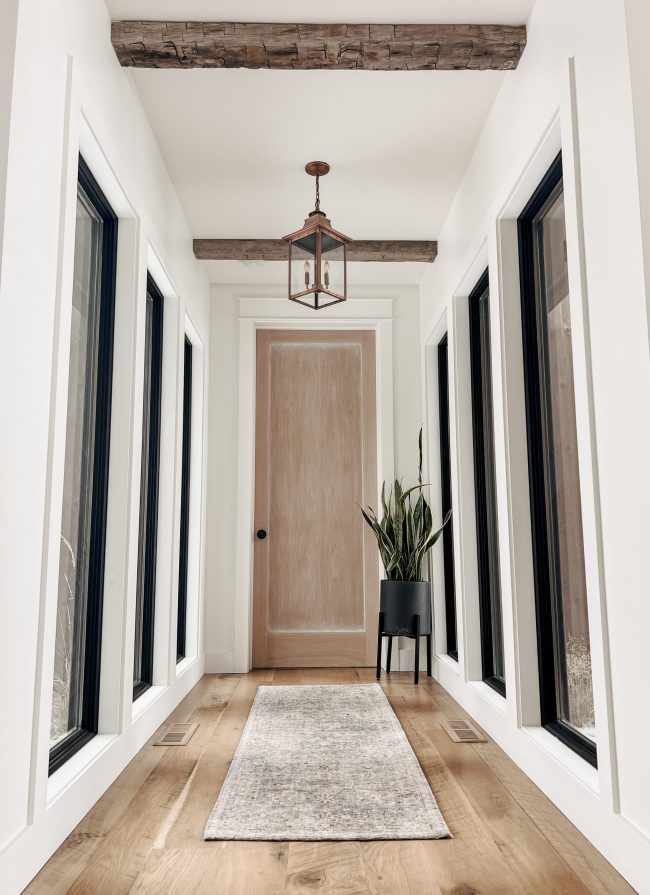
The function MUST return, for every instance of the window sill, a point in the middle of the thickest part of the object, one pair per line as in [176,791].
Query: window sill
[68,773]
[447,662]
[490,695]
[184,665]
[142,703]
[566,757]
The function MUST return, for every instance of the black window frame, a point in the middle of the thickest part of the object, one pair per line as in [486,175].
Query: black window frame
[183,554]
[487,542]
[543,528]
[445,497]
[94,596]
[148,557]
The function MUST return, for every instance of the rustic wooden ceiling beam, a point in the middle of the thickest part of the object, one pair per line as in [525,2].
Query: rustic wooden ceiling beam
[154,44]
[278,250]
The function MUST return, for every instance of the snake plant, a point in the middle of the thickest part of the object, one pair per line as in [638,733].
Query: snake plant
[405,531]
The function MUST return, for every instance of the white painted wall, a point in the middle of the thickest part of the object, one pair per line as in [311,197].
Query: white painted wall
[402,373]
[8,20]
[573,90]
[69,92]
[638,24]
[220,565]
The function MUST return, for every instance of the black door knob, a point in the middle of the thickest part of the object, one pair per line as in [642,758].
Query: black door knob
[261,534]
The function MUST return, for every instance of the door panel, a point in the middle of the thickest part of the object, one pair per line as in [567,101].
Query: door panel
[316,574]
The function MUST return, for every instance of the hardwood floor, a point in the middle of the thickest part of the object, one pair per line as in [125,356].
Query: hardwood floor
[144,836]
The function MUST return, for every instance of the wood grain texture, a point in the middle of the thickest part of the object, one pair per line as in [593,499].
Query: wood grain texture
[157,44]
[316,464]
[315,575]
[278,250]
[509,838]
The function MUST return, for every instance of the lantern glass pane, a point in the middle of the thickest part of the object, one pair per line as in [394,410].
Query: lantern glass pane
[333,265]
[303,264]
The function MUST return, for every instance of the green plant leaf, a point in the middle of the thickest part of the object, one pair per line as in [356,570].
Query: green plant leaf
[405,531]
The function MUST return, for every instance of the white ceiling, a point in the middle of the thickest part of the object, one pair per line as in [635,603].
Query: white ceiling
[501,12]
[236,141]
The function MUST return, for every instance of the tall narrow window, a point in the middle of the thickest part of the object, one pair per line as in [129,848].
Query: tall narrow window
[487,539]
[146,581]
[445,494]
[181,630]
[75,694]
[564,653]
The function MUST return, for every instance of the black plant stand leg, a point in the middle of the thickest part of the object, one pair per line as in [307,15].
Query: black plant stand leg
[388,655]
[379,635]
[416,671]
[428,655]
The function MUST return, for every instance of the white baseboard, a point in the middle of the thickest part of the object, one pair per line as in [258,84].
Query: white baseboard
[220,662]
[223,661]
[406,658]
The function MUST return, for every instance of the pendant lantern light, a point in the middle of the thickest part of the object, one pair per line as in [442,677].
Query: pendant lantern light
[317,256]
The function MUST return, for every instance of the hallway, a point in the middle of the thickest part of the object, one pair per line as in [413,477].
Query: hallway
[324,342]
[144,836]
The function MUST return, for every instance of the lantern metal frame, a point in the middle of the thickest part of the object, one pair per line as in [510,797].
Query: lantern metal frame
[318,224]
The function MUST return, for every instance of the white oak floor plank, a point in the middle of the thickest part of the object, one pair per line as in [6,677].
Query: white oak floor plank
[145,835]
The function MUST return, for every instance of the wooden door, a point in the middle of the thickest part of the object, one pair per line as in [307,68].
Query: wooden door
[316,575]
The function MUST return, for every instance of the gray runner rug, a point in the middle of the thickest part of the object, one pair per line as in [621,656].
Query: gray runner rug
[324,762]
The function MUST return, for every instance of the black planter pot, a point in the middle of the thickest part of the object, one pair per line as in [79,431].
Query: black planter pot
[400,601]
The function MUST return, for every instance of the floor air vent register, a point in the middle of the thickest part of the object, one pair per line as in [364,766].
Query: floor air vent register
[177,735]
[462,731]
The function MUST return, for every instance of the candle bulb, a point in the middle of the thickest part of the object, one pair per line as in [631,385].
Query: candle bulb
[307,274]
[326,274]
